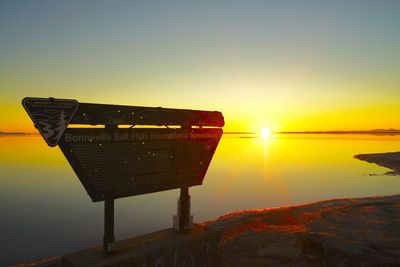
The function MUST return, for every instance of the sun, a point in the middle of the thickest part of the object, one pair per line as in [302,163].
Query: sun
[265,133]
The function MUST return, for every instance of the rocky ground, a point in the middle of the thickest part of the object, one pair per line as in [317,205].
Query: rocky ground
[346,232]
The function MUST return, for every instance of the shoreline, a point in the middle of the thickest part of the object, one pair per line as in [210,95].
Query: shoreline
[390,160]
[345,232]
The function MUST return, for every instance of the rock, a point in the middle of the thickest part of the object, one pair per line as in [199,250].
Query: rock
[364,235]
[348,232]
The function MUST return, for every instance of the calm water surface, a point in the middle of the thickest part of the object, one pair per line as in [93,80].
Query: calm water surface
[45,211]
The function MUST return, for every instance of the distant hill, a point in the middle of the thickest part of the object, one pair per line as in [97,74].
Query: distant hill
[384,131]
[373,131]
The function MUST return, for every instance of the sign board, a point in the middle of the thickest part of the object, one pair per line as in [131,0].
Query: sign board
[121,162]
[113,162]
[51,116]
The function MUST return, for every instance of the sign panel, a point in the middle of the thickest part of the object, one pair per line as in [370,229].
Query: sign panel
[121,162]
[51,116]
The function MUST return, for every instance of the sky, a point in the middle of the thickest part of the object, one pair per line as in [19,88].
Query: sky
[287,65]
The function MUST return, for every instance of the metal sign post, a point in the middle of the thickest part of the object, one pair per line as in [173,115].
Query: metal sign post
[114,162]
[183,220]
[108,239]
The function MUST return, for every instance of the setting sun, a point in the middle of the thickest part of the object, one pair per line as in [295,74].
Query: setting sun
[265,132]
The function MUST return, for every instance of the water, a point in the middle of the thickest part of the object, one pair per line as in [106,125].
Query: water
[46,212]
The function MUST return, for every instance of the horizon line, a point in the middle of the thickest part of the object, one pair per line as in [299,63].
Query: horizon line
[373,131]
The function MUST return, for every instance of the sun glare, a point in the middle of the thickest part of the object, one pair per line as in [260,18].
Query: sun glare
[265,133]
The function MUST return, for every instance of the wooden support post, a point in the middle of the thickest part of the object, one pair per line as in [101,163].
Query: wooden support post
[108,239]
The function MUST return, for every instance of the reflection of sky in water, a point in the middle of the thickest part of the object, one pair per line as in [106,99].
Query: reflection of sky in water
[46,211]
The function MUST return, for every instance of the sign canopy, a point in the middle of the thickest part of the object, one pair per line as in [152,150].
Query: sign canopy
[113,162]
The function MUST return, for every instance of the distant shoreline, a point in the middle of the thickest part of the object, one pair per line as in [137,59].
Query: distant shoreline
[16,134]
[393,132]
[370,132]
[390,160]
